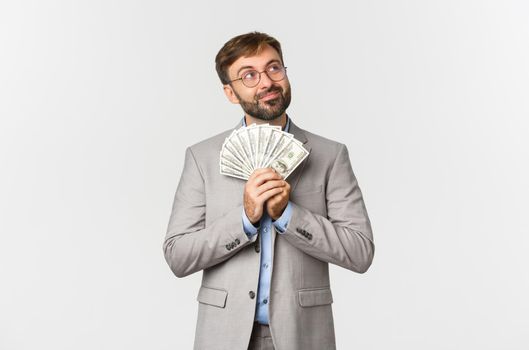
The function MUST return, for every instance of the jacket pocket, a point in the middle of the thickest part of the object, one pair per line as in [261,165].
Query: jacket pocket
[212,296]
[315,297]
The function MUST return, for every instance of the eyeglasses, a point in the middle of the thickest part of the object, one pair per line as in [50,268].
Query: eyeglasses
[251,78]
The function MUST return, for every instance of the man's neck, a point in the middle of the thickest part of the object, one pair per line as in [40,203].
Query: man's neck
[281,120]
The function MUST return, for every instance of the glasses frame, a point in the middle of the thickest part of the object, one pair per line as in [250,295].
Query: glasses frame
[259,80]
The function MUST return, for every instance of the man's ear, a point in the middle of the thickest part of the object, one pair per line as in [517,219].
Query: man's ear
[230,94]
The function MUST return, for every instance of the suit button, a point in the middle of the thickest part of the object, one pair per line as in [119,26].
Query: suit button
[265,301]
[228,246]
[309,236]
[237,241]
[252,294]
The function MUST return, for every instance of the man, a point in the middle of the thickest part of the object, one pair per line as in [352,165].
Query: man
[264,245]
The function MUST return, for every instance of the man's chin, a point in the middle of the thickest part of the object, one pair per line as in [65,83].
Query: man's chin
[267,118]
[269,104]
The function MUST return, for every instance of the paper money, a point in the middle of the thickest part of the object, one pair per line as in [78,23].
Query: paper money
[260,146]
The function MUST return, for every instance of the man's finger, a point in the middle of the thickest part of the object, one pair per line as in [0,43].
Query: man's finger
[268,185]
[259,171]
[268,194]
[267,176]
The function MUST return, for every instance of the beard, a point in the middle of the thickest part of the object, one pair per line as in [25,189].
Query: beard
[267,110]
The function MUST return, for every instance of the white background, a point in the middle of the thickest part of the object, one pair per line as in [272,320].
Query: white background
[98,100]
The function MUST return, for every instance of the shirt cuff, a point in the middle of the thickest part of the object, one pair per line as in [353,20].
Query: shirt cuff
[248,227]
[282,222]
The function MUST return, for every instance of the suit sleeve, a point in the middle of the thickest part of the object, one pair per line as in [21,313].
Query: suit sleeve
[344,237]
[189,245]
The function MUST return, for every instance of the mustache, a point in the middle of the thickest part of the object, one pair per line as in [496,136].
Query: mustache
[271,89]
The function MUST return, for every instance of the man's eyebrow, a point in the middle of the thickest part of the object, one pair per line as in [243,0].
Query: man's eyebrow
[267,64]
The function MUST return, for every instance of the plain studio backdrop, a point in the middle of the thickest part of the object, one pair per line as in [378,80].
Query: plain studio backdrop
[99,99]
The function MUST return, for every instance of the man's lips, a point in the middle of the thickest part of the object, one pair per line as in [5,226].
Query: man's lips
[270,96]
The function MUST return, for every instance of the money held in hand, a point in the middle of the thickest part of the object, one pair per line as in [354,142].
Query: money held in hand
[260,146]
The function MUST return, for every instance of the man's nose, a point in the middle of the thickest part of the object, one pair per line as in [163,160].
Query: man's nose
[265,81]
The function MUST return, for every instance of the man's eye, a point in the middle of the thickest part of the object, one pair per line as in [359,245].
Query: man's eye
[274,68]
[249,75]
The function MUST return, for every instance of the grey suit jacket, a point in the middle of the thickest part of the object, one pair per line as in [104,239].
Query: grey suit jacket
[329,224]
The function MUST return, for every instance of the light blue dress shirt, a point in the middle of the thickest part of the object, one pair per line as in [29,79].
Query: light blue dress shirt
[265,271]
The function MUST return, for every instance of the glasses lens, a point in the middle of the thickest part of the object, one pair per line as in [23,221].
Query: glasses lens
[276,72]
[250,78]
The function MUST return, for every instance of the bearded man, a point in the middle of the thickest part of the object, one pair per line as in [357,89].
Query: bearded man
[264,245]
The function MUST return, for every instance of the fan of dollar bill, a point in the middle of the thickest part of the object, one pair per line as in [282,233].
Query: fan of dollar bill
[260,146]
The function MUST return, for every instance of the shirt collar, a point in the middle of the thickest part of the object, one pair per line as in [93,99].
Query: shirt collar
[286,128]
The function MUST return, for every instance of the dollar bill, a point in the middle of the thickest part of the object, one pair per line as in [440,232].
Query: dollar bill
[259,146]
[289,158]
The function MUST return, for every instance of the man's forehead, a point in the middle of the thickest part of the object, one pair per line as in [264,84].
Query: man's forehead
[267,54]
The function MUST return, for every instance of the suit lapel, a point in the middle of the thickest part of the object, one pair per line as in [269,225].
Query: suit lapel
[294,177]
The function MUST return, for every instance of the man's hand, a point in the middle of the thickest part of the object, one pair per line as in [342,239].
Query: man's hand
[277,204]
[263,184]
